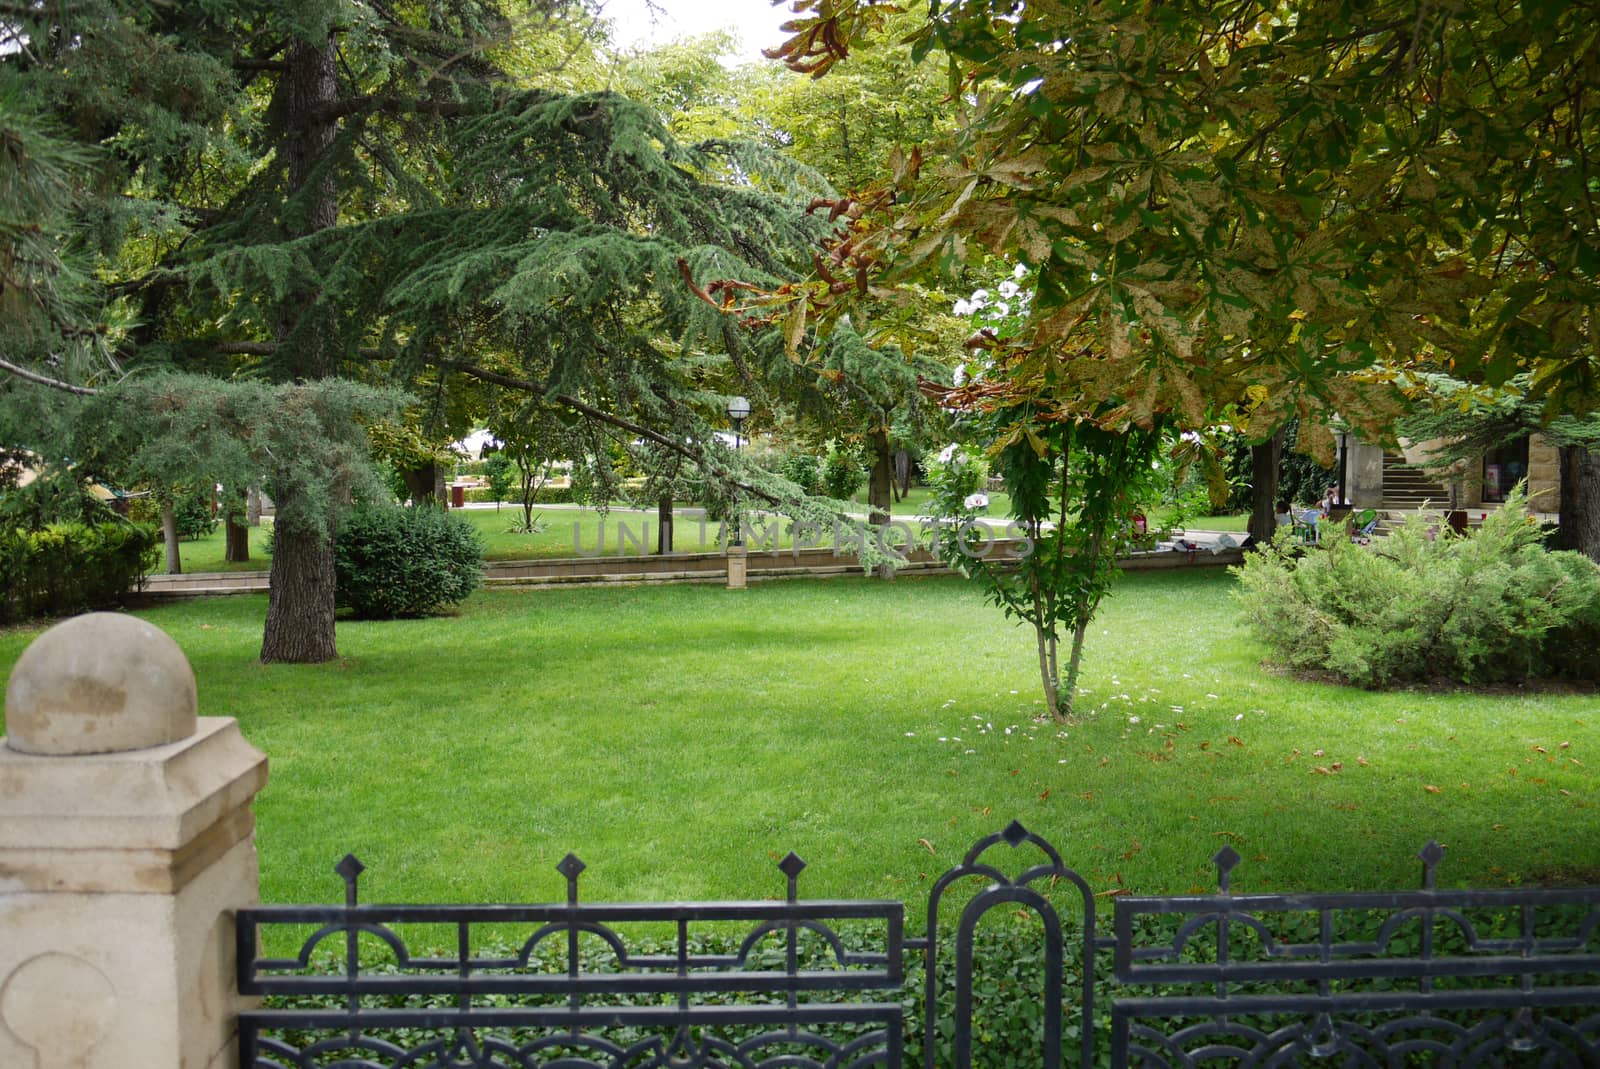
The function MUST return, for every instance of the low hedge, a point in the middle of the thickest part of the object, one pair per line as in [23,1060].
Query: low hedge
[66,568]
[549,495]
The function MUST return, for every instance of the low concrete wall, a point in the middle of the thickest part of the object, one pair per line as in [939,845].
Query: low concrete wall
[667,568]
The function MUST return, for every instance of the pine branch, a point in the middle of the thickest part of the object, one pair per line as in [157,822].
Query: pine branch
[394,105]
[42,380]
[568,401]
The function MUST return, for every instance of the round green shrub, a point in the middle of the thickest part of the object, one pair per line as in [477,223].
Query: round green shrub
[393,562]
[196,514]
[804,470]
[842,473]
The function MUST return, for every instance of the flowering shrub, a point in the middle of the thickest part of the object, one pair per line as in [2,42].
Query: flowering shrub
[957,474]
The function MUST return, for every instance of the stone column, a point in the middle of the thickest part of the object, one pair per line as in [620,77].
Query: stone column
[738,567]
[125,848]
[1365,489]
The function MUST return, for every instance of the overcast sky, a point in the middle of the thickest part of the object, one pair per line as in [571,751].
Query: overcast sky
[755,21]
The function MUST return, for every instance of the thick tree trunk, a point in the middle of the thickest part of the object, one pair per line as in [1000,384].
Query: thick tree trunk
[880,479]
[300,603]
[252,507]
[664,524]
[236,549]
[300,608]
[1265,459]
[1580,501]
[169,535]
[421,484]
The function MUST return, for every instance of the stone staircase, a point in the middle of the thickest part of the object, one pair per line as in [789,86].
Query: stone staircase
[1406,489]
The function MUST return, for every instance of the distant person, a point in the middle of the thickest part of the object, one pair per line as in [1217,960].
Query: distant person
[1285,513]
[1330,501]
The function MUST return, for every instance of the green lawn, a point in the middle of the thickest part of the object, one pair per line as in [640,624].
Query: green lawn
[569,532]
[681,739]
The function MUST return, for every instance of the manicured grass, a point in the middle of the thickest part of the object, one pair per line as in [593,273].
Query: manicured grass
[205,554]
[681,739]
[572,532]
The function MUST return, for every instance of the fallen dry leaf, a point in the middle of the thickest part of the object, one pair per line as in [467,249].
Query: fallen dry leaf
[1321,771]
[927,844]
[1314,753]
[1337,766]
[1362,761]
[1236,740]
[1431,789]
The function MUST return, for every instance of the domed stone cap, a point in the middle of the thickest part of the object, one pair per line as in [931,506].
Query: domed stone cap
[100,683]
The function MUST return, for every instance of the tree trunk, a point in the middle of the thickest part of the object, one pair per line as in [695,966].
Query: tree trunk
[1069,686]
[1580,501]
[299,628]
[420,484]
[1265,459]
[252,507]
[1047,675]
[237,540]
[664,524]
[880,480]
[169,535]
[300,602]
[441,493]
[880,491]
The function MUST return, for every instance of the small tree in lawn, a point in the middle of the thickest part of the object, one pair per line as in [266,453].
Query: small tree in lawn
[532,441]
[502,473]
[1073,486]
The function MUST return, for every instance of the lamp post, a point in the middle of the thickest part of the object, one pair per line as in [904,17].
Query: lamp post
[738,409]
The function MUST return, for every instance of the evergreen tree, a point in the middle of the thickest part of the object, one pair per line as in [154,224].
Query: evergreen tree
[324,189]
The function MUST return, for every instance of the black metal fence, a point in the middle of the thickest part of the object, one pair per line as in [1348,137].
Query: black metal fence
[1425,977]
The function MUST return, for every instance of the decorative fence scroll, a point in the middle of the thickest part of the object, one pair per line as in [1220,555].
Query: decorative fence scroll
[1383,979]
[1440,978]
[573,994]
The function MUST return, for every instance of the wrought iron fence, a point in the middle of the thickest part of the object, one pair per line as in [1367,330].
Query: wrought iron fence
[1435,977]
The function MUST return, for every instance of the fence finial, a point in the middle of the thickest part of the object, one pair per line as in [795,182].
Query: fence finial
[350,869]
[1431,855]
[571,867]
[1226,860]
[791,866]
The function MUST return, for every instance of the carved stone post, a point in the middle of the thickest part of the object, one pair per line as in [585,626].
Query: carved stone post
[125,848]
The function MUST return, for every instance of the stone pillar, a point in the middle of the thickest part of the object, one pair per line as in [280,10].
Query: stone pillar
[738,566]
[125,848]
[1365,490]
